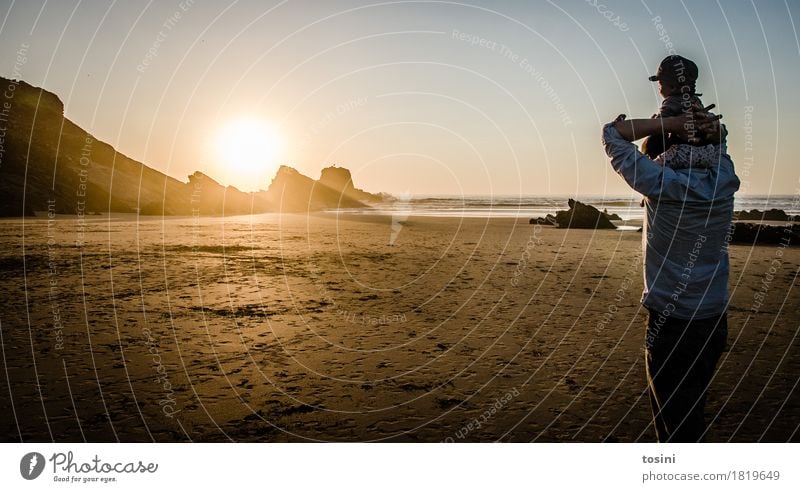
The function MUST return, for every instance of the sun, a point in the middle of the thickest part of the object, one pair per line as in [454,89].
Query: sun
[250,150]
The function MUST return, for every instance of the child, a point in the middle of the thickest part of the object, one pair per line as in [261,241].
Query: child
[676,77]
[685,156]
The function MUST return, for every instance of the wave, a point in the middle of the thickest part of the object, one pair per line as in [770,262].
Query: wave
[627,207]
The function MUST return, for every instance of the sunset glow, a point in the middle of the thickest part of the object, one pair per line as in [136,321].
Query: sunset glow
[248,150]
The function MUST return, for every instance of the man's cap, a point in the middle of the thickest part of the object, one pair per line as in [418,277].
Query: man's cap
[673,67]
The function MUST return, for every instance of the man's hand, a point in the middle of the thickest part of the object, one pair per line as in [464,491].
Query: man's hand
[693,125]
[711,129]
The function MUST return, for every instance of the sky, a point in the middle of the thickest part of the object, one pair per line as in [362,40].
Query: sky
[421,97]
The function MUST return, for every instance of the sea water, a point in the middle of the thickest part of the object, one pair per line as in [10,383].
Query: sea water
[528,206]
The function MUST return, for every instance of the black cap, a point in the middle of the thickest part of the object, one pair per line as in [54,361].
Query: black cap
[673,67]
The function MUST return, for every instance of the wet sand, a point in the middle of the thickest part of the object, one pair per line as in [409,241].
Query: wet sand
[295,328]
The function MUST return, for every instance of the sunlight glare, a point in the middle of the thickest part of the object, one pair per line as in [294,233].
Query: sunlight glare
[249,149]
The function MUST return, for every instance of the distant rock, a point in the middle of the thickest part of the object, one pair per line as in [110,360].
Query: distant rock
[611,216]
[582,216]
[294,192]
[340,180]
[211,198]
[773,214]
[754,234]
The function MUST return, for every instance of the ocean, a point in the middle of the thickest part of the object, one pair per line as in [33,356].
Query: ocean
[528,206]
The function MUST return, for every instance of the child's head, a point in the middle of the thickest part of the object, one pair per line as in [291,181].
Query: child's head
[667,88]
[676,75]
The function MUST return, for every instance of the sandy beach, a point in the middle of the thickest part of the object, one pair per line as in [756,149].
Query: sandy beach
[317,328]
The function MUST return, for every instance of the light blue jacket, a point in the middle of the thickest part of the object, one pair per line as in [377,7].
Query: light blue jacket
[686,231]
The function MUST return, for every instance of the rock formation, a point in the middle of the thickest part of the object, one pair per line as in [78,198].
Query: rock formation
[340,180]
[774,214]
[579,216]
[582,216]
[754,234]
[294,192]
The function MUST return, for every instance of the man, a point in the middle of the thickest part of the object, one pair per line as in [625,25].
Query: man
[688,220]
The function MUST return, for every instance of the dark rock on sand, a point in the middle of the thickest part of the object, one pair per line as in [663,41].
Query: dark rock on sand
[582,216]
[579,216]
[753,234]
[771,214]
[549,219]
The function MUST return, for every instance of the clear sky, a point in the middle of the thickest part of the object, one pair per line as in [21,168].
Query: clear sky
[472,97]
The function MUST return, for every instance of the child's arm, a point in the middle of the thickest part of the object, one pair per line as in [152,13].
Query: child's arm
[682,125]
[632,130]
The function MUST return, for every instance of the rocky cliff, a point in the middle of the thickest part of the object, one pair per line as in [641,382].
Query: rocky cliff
[47,162]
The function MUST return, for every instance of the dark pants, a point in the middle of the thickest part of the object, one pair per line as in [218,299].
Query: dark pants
[680,357]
